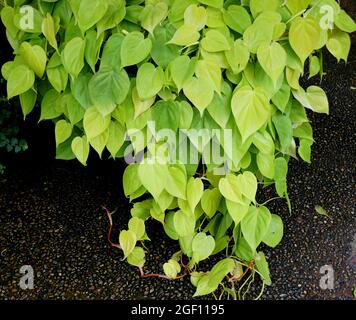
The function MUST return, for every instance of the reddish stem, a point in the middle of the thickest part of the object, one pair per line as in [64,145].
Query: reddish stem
[114,245]
[245,272]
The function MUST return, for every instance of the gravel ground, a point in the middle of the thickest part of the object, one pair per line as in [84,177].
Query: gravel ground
[312,241]
[51,218]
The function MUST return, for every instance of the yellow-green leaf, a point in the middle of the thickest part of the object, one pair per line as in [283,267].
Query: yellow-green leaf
[35,58]
[304,35]
[21,79]
[80,147]
[63,131]
[339,44]
[251,110]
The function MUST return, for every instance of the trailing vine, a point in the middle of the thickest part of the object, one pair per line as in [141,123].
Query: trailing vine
[200,97]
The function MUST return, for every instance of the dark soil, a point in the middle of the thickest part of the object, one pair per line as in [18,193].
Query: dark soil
[51,218]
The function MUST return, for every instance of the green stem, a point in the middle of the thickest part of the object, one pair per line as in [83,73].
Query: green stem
[262,290]
[272,199]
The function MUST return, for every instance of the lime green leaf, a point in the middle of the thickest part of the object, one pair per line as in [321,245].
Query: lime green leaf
[80,147]
[182,70]
[137,257]
[238,56]
[284,129]
[127,241]
[251,110]
[215,18]
[321,211]
[262,267]
[171,269]
[63,131]
[248,185]
[176,182]
[169,226]
[202,246]
[90,12]
[265,163]
[274,234]
[110,58]
[141,106]
[115,13]
[196,16]
[186,115]
[157,213]
[195,190]
[261,31]
[73,109]
[73,56]
[258,6]
[297,6]
[344,22]
[184,223]
[339,44]
[93,48]
[255,225]
[304,131]
[142,209]
[280,175]
[94,123]
[7,18]
[293,77]
[314,99]
[152,15]
[151,176]
[273,60]
[134,49]
[28,101]
[237,211]
[264,142]
[116,139]
[200,92]
[137,226]
[186,35]
[209,71]
[215,41]
[314,66]
[164,200]
[237,18]
[49,31]
[163,53]
[230,188]
[304,36]
[56,73]
[281,98]
[209,282]
[210,201]
[107,89]
[166,115]
[149,81]
[21,79]
[130,181]
[99,142]
[219,108]
[49,105]
[304,149]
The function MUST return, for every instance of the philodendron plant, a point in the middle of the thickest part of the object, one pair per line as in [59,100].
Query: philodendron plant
[200,97]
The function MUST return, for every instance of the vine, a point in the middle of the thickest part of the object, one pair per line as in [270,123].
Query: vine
[200,97]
